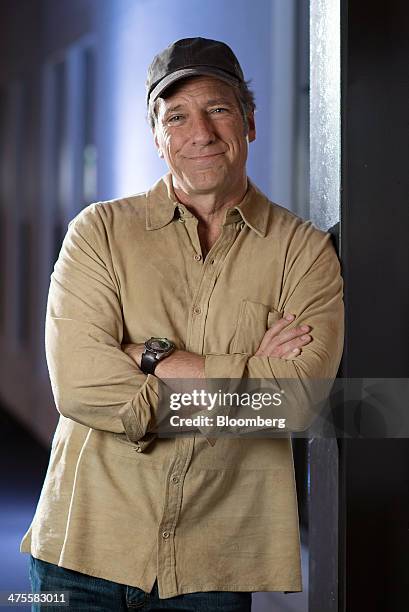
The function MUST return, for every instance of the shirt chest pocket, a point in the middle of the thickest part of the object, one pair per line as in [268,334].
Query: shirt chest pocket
[253,321]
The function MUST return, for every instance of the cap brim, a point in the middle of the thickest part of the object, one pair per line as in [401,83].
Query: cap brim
[189,72]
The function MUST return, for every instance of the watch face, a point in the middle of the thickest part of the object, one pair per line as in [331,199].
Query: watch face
[159,344]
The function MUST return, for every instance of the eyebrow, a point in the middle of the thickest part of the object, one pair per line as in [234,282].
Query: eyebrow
[218,101]
[172,109]
[210,102]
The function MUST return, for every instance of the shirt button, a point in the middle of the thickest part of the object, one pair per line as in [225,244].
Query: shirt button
[138,449]
[165,535]
[197,257]
[197,310]
[175,479]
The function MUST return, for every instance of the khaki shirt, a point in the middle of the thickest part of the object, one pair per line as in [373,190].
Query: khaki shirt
[120,503]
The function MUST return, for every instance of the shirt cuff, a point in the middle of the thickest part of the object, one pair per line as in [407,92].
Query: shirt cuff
[139,415]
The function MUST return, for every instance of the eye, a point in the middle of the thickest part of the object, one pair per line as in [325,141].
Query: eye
[175,118]
[219,110]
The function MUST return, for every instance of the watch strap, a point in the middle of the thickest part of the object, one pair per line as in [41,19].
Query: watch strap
[148,362]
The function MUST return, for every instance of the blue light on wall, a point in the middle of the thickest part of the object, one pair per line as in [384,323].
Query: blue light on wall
[131,33]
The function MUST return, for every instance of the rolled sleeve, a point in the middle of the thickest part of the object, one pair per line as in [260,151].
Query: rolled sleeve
[93,381]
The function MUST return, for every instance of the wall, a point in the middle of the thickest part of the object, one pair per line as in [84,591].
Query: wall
[35,35]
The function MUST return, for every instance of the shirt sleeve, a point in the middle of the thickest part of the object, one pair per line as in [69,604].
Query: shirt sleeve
[313,291]
[93,381]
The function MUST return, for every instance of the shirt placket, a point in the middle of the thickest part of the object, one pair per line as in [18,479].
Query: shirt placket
[210,270]
[203,276]
[167,579]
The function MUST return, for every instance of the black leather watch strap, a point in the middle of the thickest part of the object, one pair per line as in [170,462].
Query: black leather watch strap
[148,362]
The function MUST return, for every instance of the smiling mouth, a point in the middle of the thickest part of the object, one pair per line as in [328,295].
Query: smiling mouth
[199,157]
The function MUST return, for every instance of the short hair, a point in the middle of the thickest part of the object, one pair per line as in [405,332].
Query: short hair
[245,97]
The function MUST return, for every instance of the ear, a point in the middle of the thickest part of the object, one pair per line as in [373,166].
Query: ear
[157,145]
[251,134]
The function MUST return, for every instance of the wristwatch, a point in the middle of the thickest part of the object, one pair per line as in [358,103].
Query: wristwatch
[156,349]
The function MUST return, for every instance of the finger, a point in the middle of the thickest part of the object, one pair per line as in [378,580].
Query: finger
[295,343]
[298,343]
[276,347]
[274,350]
[290,355]
[275,329]
[290,334]
[283,322]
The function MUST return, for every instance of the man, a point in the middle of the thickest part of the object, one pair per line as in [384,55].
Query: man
[200,277]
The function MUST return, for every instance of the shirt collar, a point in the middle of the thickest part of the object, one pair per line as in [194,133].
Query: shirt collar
[255,209]
[161,204]
[162,207]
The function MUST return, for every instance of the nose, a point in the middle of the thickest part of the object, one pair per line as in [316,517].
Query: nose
[202,130]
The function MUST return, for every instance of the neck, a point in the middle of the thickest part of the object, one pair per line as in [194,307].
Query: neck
[209,207]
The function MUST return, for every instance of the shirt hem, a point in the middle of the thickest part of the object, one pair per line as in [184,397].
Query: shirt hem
[183,590]
[90,571]
[253,588]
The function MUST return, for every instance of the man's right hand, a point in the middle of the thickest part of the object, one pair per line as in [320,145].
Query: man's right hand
[282,343]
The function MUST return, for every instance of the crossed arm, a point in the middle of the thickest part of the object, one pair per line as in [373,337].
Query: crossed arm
[277,342]
[97,382]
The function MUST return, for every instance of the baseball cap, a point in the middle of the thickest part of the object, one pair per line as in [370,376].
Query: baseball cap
[192,57]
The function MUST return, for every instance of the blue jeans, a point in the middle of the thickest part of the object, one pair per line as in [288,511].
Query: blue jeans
[99,595]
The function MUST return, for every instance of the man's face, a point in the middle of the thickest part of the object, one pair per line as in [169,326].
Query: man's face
[200,132]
